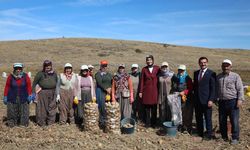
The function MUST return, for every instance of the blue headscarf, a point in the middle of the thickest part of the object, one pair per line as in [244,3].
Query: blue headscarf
[182,78]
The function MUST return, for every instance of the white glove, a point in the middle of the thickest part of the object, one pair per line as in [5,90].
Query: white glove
[58,98]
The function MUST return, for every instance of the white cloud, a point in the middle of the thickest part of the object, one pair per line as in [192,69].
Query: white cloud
[123,21]
[96,2]
[222,24]
[22,19]
[200,12]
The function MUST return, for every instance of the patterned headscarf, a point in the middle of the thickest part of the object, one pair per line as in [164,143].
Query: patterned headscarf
[182,78]
[45,64]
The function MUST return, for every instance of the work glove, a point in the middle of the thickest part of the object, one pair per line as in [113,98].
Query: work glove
[5,100]
[33,96]
[76,100]
[30,99]
[58,98]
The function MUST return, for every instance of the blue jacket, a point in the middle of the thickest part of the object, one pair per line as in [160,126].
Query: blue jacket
[204,90]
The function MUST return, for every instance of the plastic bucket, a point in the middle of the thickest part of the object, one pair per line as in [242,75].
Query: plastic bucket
[170,129]
[128,126]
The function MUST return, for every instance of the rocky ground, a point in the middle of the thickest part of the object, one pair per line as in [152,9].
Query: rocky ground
[72,137]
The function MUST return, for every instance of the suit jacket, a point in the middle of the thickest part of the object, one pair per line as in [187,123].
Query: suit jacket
[149,85]
[204,90]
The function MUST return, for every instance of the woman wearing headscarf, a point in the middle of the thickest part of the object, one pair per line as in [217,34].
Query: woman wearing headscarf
[86,91]
[103,88]
[46,105]
[165,77]
[182,83]
[149,91]
[17,96]
[135,76]
[122,91]
[91,70]
[66,90]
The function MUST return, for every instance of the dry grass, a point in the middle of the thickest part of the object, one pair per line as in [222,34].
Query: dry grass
[90,51]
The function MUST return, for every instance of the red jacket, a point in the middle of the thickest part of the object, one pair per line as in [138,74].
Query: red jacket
[149,85]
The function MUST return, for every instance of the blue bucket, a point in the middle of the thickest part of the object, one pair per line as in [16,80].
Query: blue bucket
[170,128]
[128,129]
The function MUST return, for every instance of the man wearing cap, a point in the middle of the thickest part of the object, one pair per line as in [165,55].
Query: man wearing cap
[66,91]
[46,105]
[182,83]
[149,91]
[204,96]
[17,96]
[165,77]
[103,88]
[230,95]
[135,75]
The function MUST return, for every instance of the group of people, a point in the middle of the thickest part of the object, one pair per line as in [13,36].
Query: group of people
[140,94]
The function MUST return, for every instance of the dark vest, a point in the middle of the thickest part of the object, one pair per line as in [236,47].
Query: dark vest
[177,86]
[18,91]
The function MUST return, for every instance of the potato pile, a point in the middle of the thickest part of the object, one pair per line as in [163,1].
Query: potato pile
[113,117]
[128,125]
[91,116]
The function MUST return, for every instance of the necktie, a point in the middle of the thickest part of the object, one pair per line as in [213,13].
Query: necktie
[200,77]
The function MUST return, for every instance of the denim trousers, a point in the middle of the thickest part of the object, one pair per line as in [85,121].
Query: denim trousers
[229,108]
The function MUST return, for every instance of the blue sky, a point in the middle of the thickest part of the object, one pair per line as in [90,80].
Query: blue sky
[203,23]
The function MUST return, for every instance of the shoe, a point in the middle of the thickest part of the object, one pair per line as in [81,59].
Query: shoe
[225,139]
[209,137]
[234,142]
[153,126]
[62,123]
[190,131]
[11,125]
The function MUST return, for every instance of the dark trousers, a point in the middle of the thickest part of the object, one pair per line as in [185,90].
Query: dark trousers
[17,113]
[229,108]
[137,109]
[79,112]
[187,115]
[100,97]
[46,107]
[150,114]
[200,111]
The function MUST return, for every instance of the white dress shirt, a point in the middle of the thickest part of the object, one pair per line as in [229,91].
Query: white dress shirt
[201,73]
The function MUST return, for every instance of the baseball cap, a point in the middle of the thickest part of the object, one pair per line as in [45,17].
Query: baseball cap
[122,65]
[84,67]
[104,62]
[91,66]
[134,66]
[164,64]
[227,61]
[17,65]
[68,65]
[182,67]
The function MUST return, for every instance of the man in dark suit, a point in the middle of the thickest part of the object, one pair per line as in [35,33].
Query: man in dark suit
[204,95]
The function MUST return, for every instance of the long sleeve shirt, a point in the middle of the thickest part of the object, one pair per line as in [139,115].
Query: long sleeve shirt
[45,81]
[229,86]
[103,81]
[186,87]
[85,83]
[19,82]
[115,89]
[64,83]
